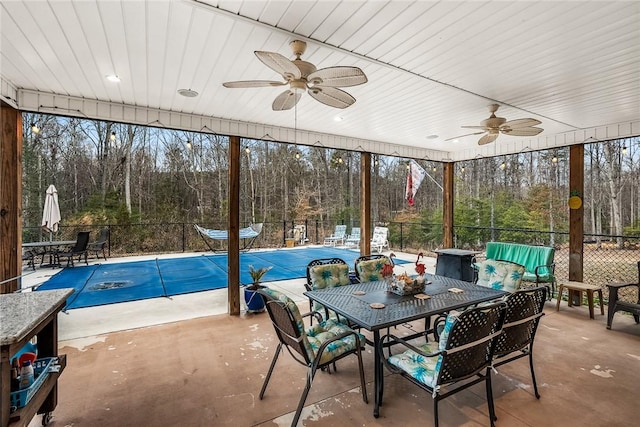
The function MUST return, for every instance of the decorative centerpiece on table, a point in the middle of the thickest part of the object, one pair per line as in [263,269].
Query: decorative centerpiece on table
[401,284]
[255,303]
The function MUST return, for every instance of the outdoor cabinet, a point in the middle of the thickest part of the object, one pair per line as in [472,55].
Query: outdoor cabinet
[25,315]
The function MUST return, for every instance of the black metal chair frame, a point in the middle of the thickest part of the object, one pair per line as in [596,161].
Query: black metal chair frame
[290,337]
[466,359]
[30,257]
[79,249]
[524,310]
[616,304]
[100,245]
[367,258]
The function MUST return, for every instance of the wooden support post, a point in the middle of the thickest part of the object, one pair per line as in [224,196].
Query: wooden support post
[233,253]
[447,208]
[365,203]
[576,216]
[10,197]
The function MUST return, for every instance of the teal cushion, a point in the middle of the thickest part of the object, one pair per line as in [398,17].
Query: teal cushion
[421,368]
[452,318]
[371,270]
[500,275]
[320,333]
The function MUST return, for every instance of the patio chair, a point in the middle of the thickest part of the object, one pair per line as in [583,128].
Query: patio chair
[353,239]
[100,245]
[30,257]
[459,360]
[524,310]
[78,250]
[369,267]
[626,303]
[379,239]
[326,273]
[337,237]
[318,347]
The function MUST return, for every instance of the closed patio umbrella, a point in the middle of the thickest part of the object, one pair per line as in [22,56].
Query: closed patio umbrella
[51,213]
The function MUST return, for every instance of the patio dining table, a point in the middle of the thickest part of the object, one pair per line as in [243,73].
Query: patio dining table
[48,247]
[357,304]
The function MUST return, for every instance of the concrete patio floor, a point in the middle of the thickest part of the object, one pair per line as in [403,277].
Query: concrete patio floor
[185,362]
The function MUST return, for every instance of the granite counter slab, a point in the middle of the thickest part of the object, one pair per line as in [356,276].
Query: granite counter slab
[20,313]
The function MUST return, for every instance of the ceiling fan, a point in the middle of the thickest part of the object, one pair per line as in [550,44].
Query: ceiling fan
[303,76]
[494,126]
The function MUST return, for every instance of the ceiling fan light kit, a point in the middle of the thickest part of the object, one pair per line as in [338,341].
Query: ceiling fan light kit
[303,76]
[494,126]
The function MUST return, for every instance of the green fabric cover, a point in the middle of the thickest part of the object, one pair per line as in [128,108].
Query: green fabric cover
[371,270]
[328,276]
[528,256]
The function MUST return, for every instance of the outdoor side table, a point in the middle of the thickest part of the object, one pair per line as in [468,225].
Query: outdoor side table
[580,287]
[455,263]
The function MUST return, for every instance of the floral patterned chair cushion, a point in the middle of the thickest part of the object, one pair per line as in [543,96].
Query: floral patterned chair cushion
[422,368]
[371,270]
[316,335]
[500,275]
[328,276]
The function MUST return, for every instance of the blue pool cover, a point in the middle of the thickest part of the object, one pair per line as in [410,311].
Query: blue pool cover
[101,284]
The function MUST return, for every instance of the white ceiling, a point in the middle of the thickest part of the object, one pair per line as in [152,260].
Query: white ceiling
[432,68]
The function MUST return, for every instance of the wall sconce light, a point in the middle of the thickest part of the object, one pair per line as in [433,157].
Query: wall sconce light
[462,169]
[112,137]
[554,159]
[435,169]
[35,128]
[340,160]
[297,155]
[189,145]
[408,167]
[503,166]
[376,162]
[247,150]
[624,150]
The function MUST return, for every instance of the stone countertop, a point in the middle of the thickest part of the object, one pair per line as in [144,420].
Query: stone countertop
[20,313]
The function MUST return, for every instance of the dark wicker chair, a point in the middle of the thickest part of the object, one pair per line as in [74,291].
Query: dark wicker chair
[459,360]
[319,348]
[78,250]
[100,245]
[524,310]
[364,259]
[30,257]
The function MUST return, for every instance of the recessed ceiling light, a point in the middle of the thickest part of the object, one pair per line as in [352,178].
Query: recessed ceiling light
[338,118]
[432,137]
[188,93]
[113,78]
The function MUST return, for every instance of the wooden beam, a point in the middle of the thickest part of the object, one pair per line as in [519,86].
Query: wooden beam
[365,203]
[10,197]
[233,251]
[447,206]
[576,216]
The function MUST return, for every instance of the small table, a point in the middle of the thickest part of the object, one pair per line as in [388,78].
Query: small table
[580,287]
[455,263]
[348,302]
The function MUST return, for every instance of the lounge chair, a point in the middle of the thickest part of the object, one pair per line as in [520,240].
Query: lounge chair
[337,236]
[248,234]
[379,239]
[353,239]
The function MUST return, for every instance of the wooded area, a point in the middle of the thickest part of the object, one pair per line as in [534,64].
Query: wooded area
[113,173]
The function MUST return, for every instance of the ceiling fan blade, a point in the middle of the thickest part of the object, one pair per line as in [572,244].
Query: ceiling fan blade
[253,83]
[280,64]
[462,136]
[490,137]
[528,131]
[331,96]
[520,123]
[484,128]
[286,100]
[337,77]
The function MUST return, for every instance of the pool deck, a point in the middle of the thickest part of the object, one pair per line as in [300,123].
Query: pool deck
[182,361]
